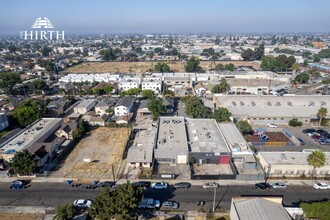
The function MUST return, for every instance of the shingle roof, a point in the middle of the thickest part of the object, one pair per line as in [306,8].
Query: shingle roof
[125,101]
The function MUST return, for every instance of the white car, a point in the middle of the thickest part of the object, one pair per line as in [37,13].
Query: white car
[159,185]
[170,205]
[272,125]
[82,203]
[321,186]
[279,185]
[210,185]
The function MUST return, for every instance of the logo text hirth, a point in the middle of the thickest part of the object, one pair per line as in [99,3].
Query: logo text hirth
[42,35]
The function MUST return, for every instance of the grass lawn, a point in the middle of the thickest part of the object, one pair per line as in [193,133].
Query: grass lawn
[146,174]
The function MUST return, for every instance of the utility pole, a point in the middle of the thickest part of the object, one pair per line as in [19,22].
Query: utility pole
[113,173]
[215,192]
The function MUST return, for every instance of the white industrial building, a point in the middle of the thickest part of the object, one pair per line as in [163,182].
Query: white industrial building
[254,86]
[263,109]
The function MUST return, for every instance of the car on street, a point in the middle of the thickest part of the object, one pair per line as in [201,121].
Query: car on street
[316,136]
[209,185]
[106,184]
[325,142]
[301,141]
[82,203]
[19,184]
[279,185]
[309,130]
[321,186]
[262,185]
[142,184]
[159,185]
[322,132]
[170,205]
[184,185]
[272,125]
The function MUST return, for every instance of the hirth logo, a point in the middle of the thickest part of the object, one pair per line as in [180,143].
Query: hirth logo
[42,24]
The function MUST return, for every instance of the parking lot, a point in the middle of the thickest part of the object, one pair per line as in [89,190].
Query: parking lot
[310,143]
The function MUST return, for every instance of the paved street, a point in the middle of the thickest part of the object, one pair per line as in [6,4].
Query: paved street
[53,194]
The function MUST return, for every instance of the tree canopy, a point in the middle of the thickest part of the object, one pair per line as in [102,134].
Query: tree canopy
[8,81]
[29,111]
[64,212]
[257,54]
[222,87]
[316,159]
[195,108]
[162,68]
[110,54]
[244,127]
[116,204]
[156,107]
[221,115]
[302,78]
[322,113]
[279,63]
[24,163]
[316,210]
[148,93]
[193,66]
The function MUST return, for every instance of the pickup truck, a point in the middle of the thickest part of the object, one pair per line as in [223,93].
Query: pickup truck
[149,203]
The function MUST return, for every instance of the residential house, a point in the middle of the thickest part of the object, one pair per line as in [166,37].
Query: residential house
[169,104]
[102,107]
[124,106]
[67,130]
[84,106]
[143,107]
[200,89]
[56,108]
[154,84]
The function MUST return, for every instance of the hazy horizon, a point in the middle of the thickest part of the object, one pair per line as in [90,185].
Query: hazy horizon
[147,16]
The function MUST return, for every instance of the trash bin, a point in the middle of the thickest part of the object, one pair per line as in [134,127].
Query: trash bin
[69,182]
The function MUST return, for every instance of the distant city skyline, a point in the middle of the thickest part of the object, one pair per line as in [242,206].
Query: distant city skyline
[150,16]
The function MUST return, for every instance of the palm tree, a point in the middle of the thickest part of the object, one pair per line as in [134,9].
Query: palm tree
[316,159]
[224,85]
[322,113]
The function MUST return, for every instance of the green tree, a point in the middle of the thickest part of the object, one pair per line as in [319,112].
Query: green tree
[168,93]
[221,114]
[244,127]
[322,113]
[116,204]
[230,67]
[295,66]
[216,89]
[162,68]
[29,111]
[316,210]
[316,159]
[193,66]
[8,81]
[295,123]
[156,107]
[108,89]
[224,85]
[326,81]
[257,54]
[219,67]
[302,78]
[24,163]
[64,212]
[195,107]
[45,51]
[133,91]
[148,93]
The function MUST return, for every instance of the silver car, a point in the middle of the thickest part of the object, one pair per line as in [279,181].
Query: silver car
[279,185]
[170,205]
[210,185]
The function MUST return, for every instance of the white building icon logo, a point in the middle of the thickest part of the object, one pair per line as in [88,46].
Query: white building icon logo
[42,23]
[42,30]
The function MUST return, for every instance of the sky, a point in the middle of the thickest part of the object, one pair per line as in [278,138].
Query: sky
[168,16]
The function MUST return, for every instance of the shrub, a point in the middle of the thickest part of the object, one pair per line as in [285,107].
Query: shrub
[295,123]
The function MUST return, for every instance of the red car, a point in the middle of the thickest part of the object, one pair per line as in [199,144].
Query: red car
[316,136]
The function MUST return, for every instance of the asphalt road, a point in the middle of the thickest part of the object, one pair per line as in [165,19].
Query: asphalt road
[53,194]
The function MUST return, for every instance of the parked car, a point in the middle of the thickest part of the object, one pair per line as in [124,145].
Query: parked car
[106,184]
[142,184]
[159,185]
[321,186]
[210,185]
[262,185]
[184,185]
[301,141]
[19,184]
[322,132]
[310,134]
[325,142]
[82,203]
[279,185]
[272,125]
[309,130]
[170,205]
[316,136]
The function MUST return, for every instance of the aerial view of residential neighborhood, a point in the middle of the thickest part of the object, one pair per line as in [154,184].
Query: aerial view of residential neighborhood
[165,110]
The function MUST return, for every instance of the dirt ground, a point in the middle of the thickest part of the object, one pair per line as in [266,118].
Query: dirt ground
[273,137]
[104,147]
[17,216]
[141,67]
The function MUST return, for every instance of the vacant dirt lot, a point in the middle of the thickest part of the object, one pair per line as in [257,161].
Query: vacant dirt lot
[23,216]
[103,147]
[273,137]
[141,67]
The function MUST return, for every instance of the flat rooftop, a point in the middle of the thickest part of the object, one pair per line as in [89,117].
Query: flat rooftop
[254,82]
[143,145]
[289,158]
[232,135]
[205,136]
[30,135]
